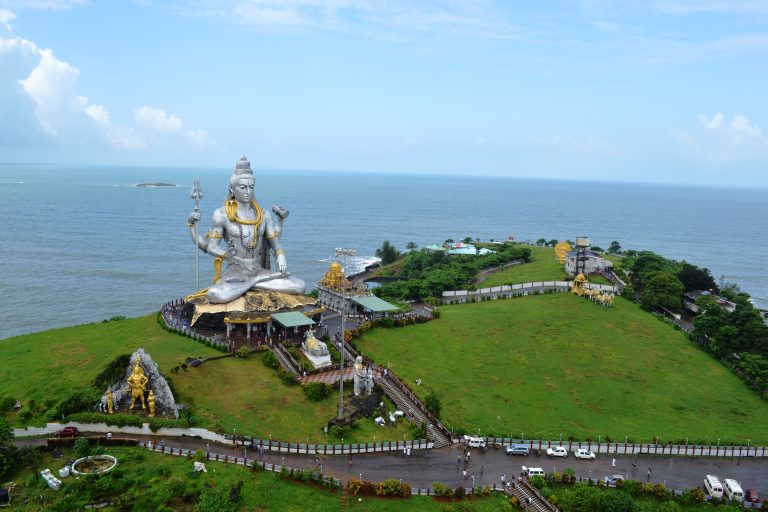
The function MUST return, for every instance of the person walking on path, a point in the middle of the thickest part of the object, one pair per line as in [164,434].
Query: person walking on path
[350,462]
[481,471]
[503,478]
[649,474]
[465,474]
[458,461]
[613,463]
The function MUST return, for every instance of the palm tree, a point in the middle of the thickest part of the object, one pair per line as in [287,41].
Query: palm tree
[411,246]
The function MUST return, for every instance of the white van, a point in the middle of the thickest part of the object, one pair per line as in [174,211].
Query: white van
[531,472]
[733,490]
[713,486]
[475,442]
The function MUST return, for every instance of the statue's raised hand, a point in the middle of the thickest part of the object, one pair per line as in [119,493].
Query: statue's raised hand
[193,218]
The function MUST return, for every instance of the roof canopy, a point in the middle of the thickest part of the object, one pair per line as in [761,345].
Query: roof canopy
[292,319]
[375,304]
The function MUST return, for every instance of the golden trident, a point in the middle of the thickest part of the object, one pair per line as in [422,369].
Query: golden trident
[196,195]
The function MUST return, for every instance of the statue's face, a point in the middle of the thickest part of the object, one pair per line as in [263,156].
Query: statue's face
[243,189]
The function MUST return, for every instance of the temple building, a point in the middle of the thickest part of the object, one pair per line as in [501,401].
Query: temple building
[338,293]
[590,263]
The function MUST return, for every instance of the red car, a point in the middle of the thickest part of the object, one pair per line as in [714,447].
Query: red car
[752,496]
[67,432]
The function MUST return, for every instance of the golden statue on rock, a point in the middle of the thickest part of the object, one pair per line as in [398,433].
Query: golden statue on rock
[138,383]
[110,402]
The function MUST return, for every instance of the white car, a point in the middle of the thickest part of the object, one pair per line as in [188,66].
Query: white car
[582,453]
[557,451]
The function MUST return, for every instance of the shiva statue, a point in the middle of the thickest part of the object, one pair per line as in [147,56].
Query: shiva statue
[250,237]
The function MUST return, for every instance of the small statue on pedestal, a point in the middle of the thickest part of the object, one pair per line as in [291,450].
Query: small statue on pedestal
[151,401]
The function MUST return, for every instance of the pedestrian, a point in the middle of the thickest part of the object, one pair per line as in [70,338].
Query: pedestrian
[613,463]
[467,455]
[481,470]
[649,474]
[409,453]
[458,460]
[350,462]
[465,474]
[503,479]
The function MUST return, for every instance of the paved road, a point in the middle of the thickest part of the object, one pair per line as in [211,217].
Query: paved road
[422,467]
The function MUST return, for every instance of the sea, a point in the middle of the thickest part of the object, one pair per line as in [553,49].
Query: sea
[82,244]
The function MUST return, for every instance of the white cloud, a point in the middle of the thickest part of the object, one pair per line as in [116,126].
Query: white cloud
[718,140]
[200,138]
[157,119]
[748,7]
[40,104]
[98,114]
[42,5]
[477,17]
[587,145]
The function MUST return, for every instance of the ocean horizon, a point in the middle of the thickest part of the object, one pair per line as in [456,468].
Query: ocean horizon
[83,243]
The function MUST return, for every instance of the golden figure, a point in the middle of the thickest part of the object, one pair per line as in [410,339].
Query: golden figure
[138,383]
[151,401]
[579,285]
[561,251]
[110,402]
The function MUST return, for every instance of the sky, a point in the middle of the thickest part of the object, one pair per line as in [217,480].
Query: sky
[656,91]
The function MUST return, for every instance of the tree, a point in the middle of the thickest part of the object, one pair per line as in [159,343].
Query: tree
[6,434]
[387,252]
[552,242]
[617,502]
[597,248]
[614,248]
[541,241]
[467,240]
[411,246]
[432,403]
[662,290]
[695,278]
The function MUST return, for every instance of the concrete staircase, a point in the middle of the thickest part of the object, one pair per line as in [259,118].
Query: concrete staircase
[529,497]
[412,406]
[286,360]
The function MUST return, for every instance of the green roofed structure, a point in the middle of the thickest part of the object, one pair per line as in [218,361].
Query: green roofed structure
[292,319]
[374,304]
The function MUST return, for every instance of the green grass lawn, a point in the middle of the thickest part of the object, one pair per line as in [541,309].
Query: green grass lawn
[150,481]
[544,267]
[555,363]
[226,393]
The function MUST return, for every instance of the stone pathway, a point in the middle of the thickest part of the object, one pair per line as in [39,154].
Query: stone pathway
[329,377]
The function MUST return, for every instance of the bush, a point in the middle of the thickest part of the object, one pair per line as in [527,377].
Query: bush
[338,431]
[82,447]
[6,404]
[112,372]
[432,403]
[460,493]
[243,352]
[316,391]
[270,360]
[79,401]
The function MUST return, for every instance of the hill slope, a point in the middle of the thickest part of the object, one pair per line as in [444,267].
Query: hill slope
[552,364]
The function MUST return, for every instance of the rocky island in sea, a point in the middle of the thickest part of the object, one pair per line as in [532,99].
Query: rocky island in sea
[155,184]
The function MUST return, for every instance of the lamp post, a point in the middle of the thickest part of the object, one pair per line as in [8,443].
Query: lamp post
[341,251]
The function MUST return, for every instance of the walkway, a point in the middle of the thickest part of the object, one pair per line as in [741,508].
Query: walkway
[330,377]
